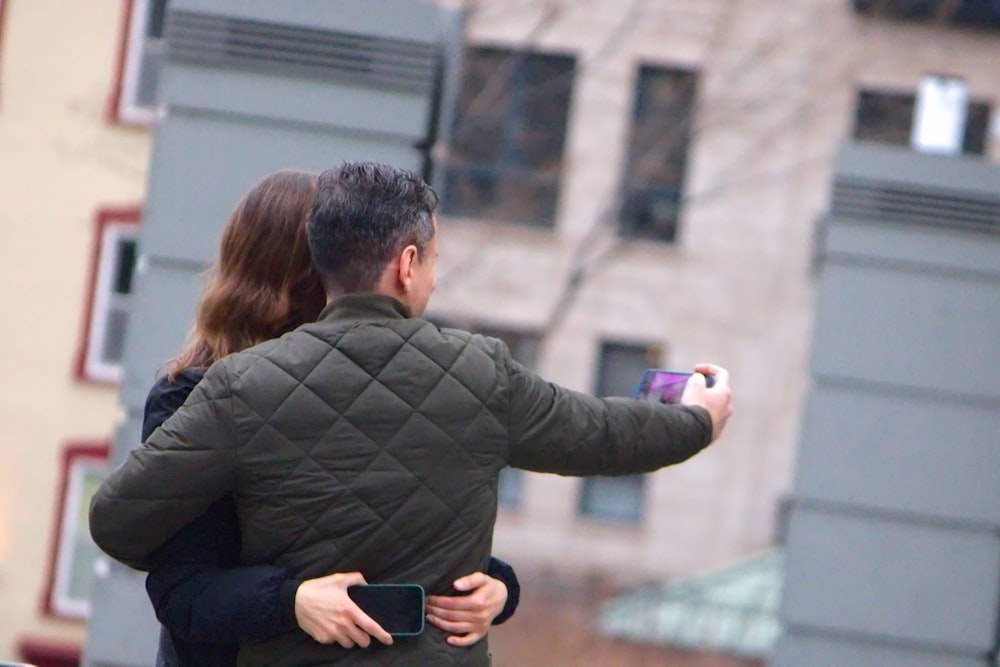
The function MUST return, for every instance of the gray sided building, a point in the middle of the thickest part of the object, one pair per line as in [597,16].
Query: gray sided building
[893,542]
[249,87]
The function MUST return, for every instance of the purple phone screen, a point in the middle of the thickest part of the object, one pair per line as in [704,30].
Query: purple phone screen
[661,385]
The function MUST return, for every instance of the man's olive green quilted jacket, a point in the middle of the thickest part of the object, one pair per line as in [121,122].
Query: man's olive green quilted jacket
[372,441]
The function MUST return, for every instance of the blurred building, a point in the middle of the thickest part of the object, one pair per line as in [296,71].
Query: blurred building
[656,173]
[625,185]
[72,178]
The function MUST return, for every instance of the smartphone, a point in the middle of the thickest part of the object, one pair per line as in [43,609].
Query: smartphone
[664,386]
[398,608]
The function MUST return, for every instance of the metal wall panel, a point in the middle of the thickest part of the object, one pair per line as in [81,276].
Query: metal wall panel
[187,208]
[889,451]
[901,165]
[893,543]
[288,99]
[932,331]
[122,615]
[398,19]
[928,585]
[926,248]
[124,619]
[127,434]
[161,321]
[799,650]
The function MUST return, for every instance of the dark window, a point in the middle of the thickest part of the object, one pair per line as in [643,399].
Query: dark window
[156,19]
[505,161]
[884,117]
[977,127]
[887,117]
[116,325]
[653,188]
[110,302]
[143,58]
[979,13]
[618,498]
[125,256]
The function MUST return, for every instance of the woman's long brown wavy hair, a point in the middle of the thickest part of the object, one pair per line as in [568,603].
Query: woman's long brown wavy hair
[263,284]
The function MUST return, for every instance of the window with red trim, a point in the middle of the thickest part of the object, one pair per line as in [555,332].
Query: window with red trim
[109,294]
[135,98]
[74,556]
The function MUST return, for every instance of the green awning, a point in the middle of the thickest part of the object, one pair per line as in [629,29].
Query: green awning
[732,610]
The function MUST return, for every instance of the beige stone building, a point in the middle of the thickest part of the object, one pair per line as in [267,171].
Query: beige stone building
[629,184]
[776,88]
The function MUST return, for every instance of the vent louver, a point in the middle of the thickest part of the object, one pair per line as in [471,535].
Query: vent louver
[918,205]
[209,40]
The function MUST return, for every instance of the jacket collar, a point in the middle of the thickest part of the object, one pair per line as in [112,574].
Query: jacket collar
[364,307]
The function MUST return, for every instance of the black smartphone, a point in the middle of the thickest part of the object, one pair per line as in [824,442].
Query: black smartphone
[398,608]
[658,384]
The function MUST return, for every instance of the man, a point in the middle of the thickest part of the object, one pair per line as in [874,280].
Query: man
[371,440]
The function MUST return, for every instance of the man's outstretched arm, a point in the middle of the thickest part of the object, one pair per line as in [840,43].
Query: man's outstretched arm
[554,429]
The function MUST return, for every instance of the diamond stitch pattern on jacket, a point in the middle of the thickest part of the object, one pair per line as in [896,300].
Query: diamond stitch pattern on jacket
[375,444]
[353,414]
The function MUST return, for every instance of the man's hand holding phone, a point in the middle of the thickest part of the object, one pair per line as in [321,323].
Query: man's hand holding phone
[717,399]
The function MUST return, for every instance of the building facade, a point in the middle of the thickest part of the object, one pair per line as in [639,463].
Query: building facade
[72,178]
[624,185]
[693,169]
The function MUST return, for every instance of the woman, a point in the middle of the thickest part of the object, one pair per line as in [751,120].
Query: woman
[261,287]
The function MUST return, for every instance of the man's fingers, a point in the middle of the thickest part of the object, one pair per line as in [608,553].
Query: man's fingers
[465,640]
[471,581]
[367,625]
[449,625]
[351,628]
[360,637]
[458,602]
[449,614]
[720,373]
[476,613]
[697,378]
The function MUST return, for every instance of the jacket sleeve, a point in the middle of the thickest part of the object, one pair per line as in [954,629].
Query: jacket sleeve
[171,479]
[201,595]
[553,429]
[505,573]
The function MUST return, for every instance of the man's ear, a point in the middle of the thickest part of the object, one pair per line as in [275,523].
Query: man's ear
[407,261]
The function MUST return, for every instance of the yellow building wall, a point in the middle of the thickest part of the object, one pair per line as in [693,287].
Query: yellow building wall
[61,158]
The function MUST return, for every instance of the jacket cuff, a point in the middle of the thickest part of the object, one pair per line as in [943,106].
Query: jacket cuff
[705,419]
[504,572]
[286,603]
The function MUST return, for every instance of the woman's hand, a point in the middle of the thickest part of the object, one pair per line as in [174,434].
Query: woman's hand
[328,615]
[468,617]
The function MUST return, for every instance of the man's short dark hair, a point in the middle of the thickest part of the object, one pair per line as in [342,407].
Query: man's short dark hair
[364,214]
